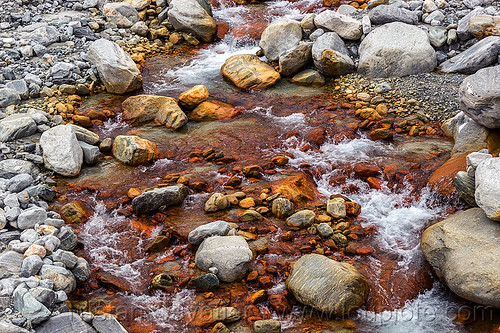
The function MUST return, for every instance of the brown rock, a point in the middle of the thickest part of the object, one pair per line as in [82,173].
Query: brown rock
[381,134]
[204,317]
[364,170]
[252,171]
[194,96]
[441,180]
[257,297]
[159,243]
[74,212]
[82,121]
[247,71]
[133,150]
[280,304]
[142,109]
[280,160]
[247,203]
[299,188]
[482,26]
[234,181]
[213,110]
[133,192]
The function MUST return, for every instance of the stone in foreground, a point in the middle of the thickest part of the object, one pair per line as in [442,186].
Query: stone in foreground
[247,72]
[61,151]
[382,52]
[463,250]
[487,193]
[332,287]
[116,69]
[229,254]
[65,323]
[479,96]
[133,150]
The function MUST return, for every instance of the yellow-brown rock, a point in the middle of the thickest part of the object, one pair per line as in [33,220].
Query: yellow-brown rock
[247,71]
[482,26]
[133,150]
[163,110]
[194,96]
[213,110]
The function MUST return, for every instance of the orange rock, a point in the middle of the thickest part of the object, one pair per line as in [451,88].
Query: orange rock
[316,136]
[247,203]
[247,71]
[366,170]
[298,188]
[374,183]
[222,30]
[280,304]
[352,208]
[280,160]
[194,96]
[441,180]
[82,121]
[213,110]
[74,212]
[133,192]
[257,297]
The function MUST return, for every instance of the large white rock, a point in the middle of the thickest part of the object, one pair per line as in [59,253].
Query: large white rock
[396,49]
[229,254]
[279,37]
[344,25]
[117,70]
[488,187]
[61,151]
[190,16]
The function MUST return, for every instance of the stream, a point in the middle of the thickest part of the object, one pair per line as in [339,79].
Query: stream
[404,296]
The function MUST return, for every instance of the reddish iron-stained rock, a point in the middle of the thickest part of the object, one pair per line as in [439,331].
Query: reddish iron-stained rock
[95,115]
[83,121]
[381,134]
[374,183]
[74,212]
[121,284]
[280,160]
[194,96]
[364,170]
[222,30]
[352,208]
[299,188]
[266,281]
[213,110]
[280,304]
[316,136]
[441,180]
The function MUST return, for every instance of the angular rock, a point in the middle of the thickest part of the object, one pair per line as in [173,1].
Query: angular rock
[471,137]
[334,288]
[116,69]
[30,217]
[308,77]
[133,150]
[302,219]
[107,324]
[69,259]
[121,13]
[11,261]
[68,238]
[229,254]
[474,159]
[479,96]
[438,36]
[190,16]
[295,59]
[62,278]
[8,97]
[31,265]
[20,182]
[44,295]
[480,55]
[463,249]
[389,13]
[44,35]
[90,153]
[466,187]
[247,71]
[217,228]
[64,323]
[279,37]
[16,126]
[380,53]
[28,306]
[488,187]
[463,24]
[345,26]
[81,271]
[152,201]
[61,151]
[84,135]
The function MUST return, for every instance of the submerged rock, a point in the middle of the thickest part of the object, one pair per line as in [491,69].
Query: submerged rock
[213,110]
[229,254]
[133,150]
[247,71]
[204,282]
[463,250]
[329,286]
[117,71]
[152,201]
[308,77]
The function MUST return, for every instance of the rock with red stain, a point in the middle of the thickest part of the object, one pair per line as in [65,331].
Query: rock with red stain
[280,304]
[364,250]
[381,134]
[133,150]
[163,110]
[299,189]
[316,136]
[441,180]
[364,170]
[213,110]
[266,281]
[222,30]
[74,212]
[329,286]
[352,208]
[374,183]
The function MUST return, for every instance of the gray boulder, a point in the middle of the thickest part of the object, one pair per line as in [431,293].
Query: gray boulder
[302,219]
[151,201]
[107,324]
[8,97]
[480,55]
[116,69]
[470,137]
[217,228]
[345,26]
[479,96]
[295,59]
[61,151]
[388,13]
[7,327]
[122,14]
[90,153]
[466,187]
[31,265]
[44,35]
[192,17]
[28,306]
[81,271]
[69,259]
[229,254]
[438,36]
[463,250]
[16,126]
[20,86]
[476,158]
[64,323]
[330,55]
[488,187]
[382,51]
[19,182]
[84,135]
[30,217]
[279,37]
[68,238]
[11,262]
[332,287]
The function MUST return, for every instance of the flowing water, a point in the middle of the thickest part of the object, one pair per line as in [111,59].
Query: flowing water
[404,296]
